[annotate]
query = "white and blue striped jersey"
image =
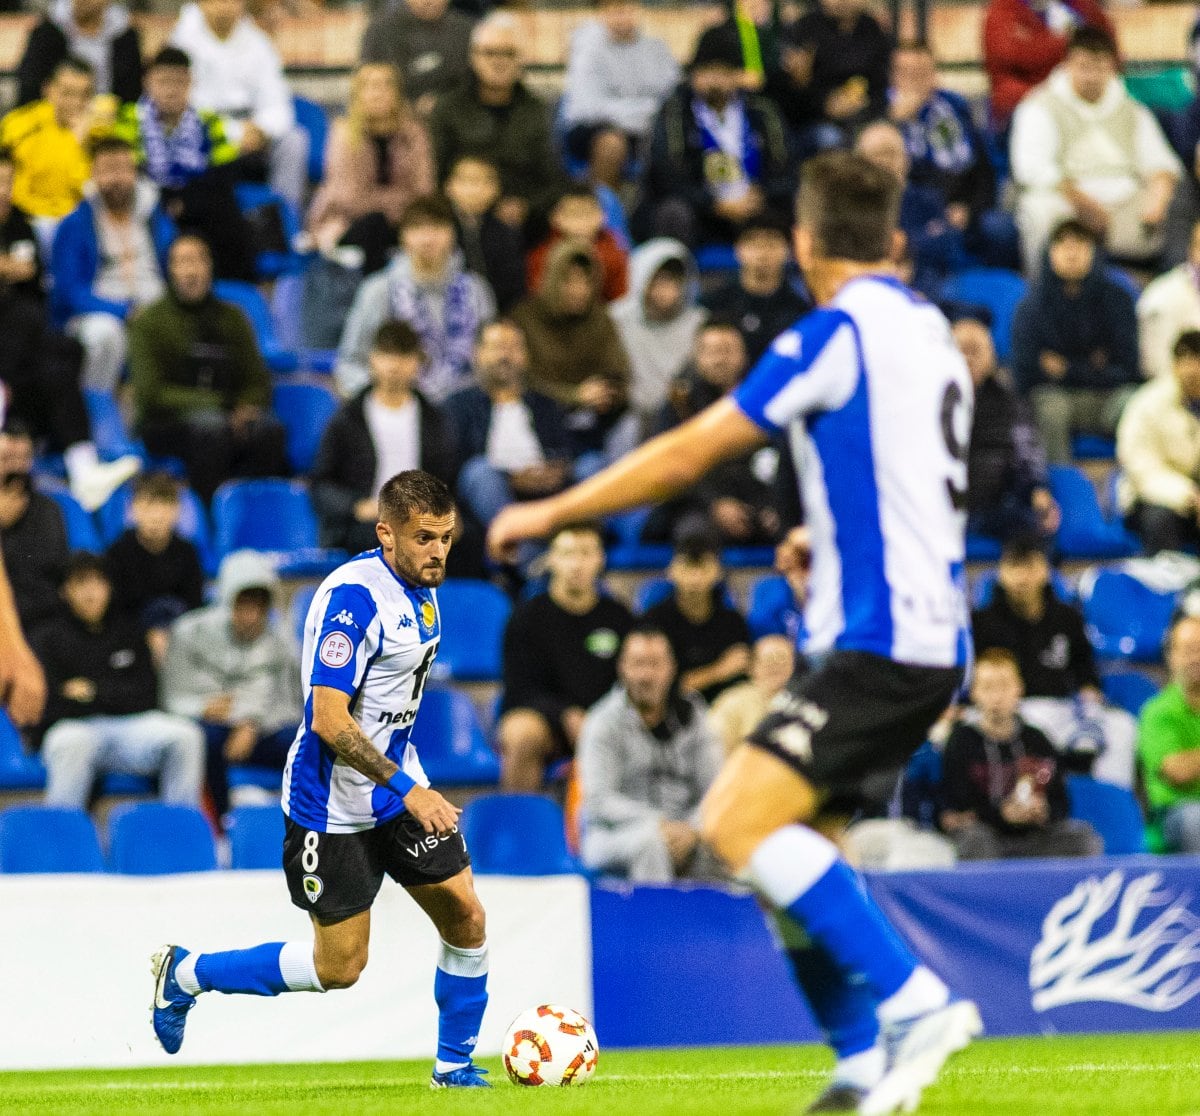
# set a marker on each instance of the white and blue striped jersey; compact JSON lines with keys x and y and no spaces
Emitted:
{"x":373,"y":636}
{"x":877,"y":402}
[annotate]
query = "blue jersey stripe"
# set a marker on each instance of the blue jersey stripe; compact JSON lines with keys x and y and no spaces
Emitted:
{"x":312,"y":769}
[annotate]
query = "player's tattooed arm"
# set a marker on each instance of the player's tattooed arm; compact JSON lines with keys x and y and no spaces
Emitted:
{"x":333,"y":724}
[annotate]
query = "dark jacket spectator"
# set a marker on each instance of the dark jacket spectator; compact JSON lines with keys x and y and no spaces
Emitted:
{"x":428,"y":44}
{"x":1023,"y":40}
{"x":15,"y":230}
{"x":490,"y":247}
{"x":143,"y":578}
{"x":34,"y":540}
{"x":95,"y":30}
{"x":471,"y":411}
{"x":344,"y":471}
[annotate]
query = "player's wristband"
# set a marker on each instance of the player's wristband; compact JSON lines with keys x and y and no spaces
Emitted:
{"x":400,"y":784}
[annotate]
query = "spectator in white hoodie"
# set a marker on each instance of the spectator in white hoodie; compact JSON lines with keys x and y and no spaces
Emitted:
{"x":1167,"y":308}
{"x":238,"y":74}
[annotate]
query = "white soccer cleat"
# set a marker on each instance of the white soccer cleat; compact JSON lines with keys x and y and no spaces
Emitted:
{"x":917,"y":1050}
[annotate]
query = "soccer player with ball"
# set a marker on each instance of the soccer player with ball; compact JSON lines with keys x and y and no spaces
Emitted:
{"x":357,"y":801}
{"x":877,"y":402}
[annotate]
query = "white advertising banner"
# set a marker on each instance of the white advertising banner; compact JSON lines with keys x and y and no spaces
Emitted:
{"x":75,"y":984}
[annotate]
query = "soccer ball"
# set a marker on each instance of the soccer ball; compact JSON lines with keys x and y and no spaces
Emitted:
{"x":550,"y":1045}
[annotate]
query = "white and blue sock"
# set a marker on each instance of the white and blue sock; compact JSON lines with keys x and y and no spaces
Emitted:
{"x":263,"y":970}
{"x":842,"y":1006}
{"x":801,"y":873}
{"x":460,"y":989}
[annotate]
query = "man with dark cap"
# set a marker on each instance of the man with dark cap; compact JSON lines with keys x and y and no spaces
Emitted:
{"x":718,"y":155}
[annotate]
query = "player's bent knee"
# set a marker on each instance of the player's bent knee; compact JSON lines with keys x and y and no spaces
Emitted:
{"x":340,"y":970}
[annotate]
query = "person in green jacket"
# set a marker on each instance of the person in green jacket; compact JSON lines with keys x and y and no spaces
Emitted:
{"x":201,"y":390}
{"x":1169,"y":743}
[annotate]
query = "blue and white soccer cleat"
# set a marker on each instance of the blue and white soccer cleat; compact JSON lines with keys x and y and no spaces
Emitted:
{"x":171,"y":1003}
{"x":917,"y":1049}
{"x":469,"y":1076}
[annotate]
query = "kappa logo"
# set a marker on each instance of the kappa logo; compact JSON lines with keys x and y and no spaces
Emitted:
{"x":313,"y":886}
{"x":406,"y":622}
{"x":1111,"y":941}
{"x":346,"y":618}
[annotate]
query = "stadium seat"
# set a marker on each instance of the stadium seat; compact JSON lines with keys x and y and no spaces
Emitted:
{"x":250,"y":301}
{"x":81,"y":528}
{"x":998,"y":291}
{"x":255,"y":836}
{"x":48,"y":839}
{"x":305,"y":411}
{"x":1084,"y":532}
{"x":715,"y":257}
{"x":114,"y":518}
{"x":650,"y":592}
{"x":272,"y":265}
{"x":627,"y":551}
{"x":109,"y":432}
{"x":516,"y":835}
{"x":18,"y":770}
{"x":298,"y":610}
{"x":1124,"y":617}
{"x":271,"y":515}
{"x":119,"y":784}
{"x":980,"y":548}
{"x":155,"y":838}
{"x":769,"y":597}
{"x":747,"y":557}
{"x":313,"y":119}
{"x":474,"y":616}
{"x":1093,"y":447}
{"x":451,"y":743}
{"x":985,"y":588}
{"x":1112,"y":811}
{"x":248,"y":775}
{"x":1128,"y":689}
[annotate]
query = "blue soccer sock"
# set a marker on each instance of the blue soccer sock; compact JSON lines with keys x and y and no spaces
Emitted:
{"x":262,"y":970}
{"x":460,"y":989}
{"x":842,"y":1006}
{"x":800,"y":872}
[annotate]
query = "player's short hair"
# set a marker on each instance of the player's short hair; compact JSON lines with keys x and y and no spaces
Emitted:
{"x":170,"y":57}
{"x":428,"y":209}
{"x":998,"y":657}
{"x":81,"y":564}
{"x":414,"y":492}
{"x":1187,"y":344}
{"x":156,"y":486}
{"x":397,"y":338}
{"x":850,"y":204}
{"x":1094,"y":40}
{"x":1075,"y":228}
{"x":109,"y":145}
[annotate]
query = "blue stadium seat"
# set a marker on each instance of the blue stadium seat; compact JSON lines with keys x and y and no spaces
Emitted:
{"x":268,"y":515}
{"x":1093,"y":447}
{"x":248,"y":298}
{"x":247,"y":775}
{"x":1084,"y":532}
{"x":516,"y":835}
{"x":980,"y":548}
{"x":1128,"y":689}
{"x":1112,"y":811}
{"x":48,"y":839}
{"x":81,"y":528}
{"x":298,"y":610}
{"x":255,"y":836}
{"x":109,"y":432}
{"x":474,"y":616}
{"x":451,"y":743}
{"x":996,"y":289}
{"x":312,"y":118}
{"x":770,"y":596}
{"x":628,"y":552}
{"x":119,"y":784}
{"x":305,"y":411}
{"x":155,"y":838}
{"x":650,"y":592}
{"x":747,"y":557}
{"x":18,"y":771}
{"x":985,"y":588}
{"x":715,"y":257}
{"x":1125,"y":618}
{"x":114,"y":518}
{"x":273,"y":265}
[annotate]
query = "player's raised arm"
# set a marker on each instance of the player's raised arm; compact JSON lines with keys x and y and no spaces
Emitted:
{"x":654,"y":472}
{"x":333,"y":723}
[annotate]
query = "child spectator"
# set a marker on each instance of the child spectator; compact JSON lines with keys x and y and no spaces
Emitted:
{"x":740,"y":709}
{"x":156,"y":575}
{"x":1005,"y":795}
{"x":577,"y":215}
{"x":490,"y":247}
{"x":711,"y":640}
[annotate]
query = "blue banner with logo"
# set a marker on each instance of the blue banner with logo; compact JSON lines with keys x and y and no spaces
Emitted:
{"x":1110,"y":944}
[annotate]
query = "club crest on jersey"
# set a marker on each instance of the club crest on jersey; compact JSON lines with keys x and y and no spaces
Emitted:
{"x":336,"y":650}
{"x":313,"y":886}
{"x":428,"y":616}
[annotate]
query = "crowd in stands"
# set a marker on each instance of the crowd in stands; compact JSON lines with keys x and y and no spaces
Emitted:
{"x":514,"y":295}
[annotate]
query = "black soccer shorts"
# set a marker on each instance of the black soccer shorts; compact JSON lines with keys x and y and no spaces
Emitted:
{"x":855,"y":717}
{"x":337,"y":875}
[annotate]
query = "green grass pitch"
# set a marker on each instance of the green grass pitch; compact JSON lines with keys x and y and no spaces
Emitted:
{"x":1138,"y":1075}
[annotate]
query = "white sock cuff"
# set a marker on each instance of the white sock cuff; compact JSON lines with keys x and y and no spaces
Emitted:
{"x":789,"y":862}
{"x":298,"y":967}
{"x":463,"y":962}
{"x":185,"y":975}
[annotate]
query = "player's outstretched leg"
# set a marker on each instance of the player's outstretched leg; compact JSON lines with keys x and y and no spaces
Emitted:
{"x":845,"y":1011}
{"x":263,"y":970}
{"x":460,"y":983}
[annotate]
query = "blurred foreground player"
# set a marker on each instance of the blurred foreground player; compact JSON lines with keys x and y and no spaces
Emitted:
{"x":877,"y":400}
{"x":358,"y":804}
